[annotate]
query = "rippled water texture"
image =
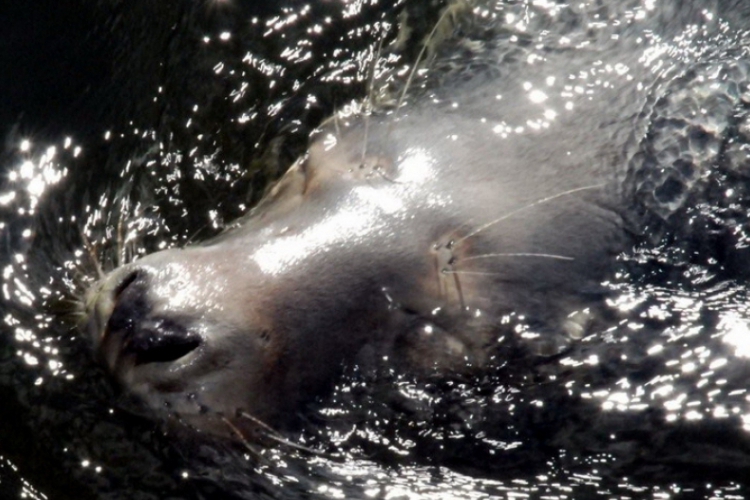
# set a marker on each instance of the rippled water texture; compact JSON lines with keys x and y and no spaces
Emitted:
{"x":201,"y":104}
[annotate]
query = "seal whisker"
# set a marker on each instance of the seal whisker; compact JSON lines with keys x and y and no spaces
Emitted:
{"x":336,"y":125}
{"x":413,"y":71}
{"x":120,"y":253}
{"x":130,"y":249}
{"x":79,"y":276}
{"x":191,"y":238}
{"x":296,"y":446}
{"x":92,"y":254}
{"x":69,"y":300}
{"x":526,"y":207}
{"x":518,"y":254}
{"x":382,"y":175}
{"x":238,"y":433}
{"x":459,"y":290}
{"x":482,"y":273}
{"x":270,"y":430}
{"x":368,"y":100}
{"x":272,"y":434}
{"x":256,"y":420}
{"x":77,"y":318}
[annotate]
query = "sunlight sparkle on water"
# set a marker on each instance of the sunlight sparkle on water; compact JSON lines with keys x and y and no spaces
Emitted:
{"x":35,"y":177}
{"x":737,"y":333}
{"x":537,"y":96}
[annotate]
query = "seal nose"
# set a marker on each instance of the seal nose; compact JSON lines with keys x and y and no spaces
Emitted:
{"x":143,"y":337}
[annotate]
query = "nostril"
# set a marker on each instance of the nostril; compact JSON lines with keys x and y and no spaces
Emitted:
{"x":125,"y":283}
{"x":130,"y":304}
{"x":160,"y":341}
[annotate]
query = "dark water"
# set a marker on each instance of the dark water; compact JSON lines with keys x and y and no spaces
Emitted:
{"x":170,"y":118}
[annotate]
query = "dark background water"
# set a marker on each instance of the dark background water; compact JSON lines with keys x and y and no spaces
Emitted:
{"x":180,"y":130}
{"x":51,"y":62}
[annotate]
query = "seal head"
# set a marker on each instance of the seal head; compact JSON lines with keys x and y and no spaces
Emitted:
{"x":388,"y":239}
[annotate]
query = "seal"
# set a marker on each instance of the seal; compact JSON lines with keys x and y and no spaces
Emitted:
{"x":411,"y":234}
{"x":414,"y":249}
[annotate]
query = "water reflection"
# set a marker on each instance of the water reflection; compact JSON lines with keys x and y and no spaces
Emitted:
{"x":668,"y":353}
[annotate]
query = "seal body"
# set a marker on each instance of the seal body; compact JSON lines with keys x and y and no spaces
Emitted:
{"x":412,"y":235}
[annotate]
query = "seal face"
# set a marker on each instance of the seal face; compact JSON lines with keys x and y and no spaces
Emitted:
{"x":388,"y":238}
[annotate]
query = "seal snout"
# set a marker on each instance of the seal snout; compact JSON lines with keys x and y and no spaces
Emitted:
{"x":130,"y":334}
